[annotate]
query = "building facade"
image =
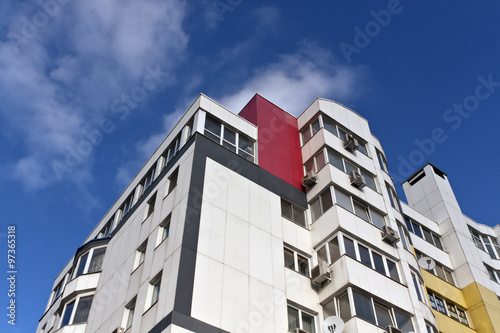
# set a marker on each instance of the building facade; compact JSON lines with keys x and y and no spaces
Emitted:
{"x":264,"y":222}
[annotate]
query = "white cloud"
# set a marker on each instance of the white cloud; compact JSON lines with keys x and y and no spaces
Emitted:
{"x":66,"y":73}
{"x":296,"y":79}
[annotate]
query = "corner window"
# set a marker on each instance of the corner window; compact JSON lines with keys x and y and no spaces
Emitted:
{"x":77,"y":311}
{"x":293,"y":213}
{"x":329,"y":252}
{"x":359,"y":209}
{"x":346,"y":166}
{"x":300,"y":319}
{"x":91,"y":261}
{"x":424,"y":233}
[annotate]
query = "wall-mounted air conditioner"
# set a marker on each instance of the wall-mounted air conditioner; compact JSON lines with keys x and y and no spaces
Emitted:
{"x":310,"y":179}
{"x":350,"y":142}
{"x":390,"y":235}
{"x":357,"y":179}
{"x":320,"y":273}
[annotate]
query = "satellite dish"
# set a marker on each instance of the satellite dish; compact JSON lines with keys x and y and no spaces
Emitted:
{"x":427,"y":263}
{"x":333,"y":324}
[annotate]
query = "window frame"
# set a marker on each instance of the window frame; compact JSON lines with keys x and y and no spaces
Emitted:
{"x":153,"y":292}
{"x":88,"y":260}
{"x":150,"y":207}
{"x":300,"y":313}
{"x":128,"y":313}
{"x":296,"y":263}
{"x":172,"y":181}
{"x":140,"y":255}
{"x":75,"y":302}
{"x":163,"y":230}
{"x":292,"y":210}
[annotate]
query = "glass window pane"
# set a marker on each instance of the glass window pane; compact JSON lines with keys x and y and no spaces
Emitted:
{"x":383,"y":315}
{"x":213,"y":126}
{"x":289,"y":259}
{"x":343,"y":200}
{"x":369,"y":180}
{"x":417,"y":286}
{"x":363,"y":306}
{"x":245,"y":144}
{"x":326,"y":200}
{"x":81,"y":265}
{"x":462,"y":316}
{"x":229,"y":135}
{"x":156,"y":293}
{"x":306,"y":134}
{"x":83,"y":309}
{"x":315,"y":126}
{"x":303,"y":265}
{"x":97,"y":259}
{"x":439,"y":271}
{"x":362,"y":148}
{"x":402,"y":236}
{"x":322,"y":255}
{"x":298,"y":216}
{"x":349,"y":248}
{"x":335,"y":160}
{"x":320,"y":160}
{"x":349,"y":167}
{"x":315,"y":209}
{"x":452,"y":311}
{"x":342,"y":134}
{"x":344,"y":308}
{"x":286,"y":209}
{"x":309,"y":166}
{"x":308,"y":323}
{"x":403,"y":321}
{"x":330,"y":126}
{"x":364,"y":255}
{"x":449,"y":276}
{"x":377,"y":219}
{"x":360,"y":210}
{"x":381,"y":160}
{"x":329,"y":309}
{"x":379,"y":263}
{"x":416,"y":230}
{"x":293,"y":319}
{"x":427,"y":235}
{"x":67,"y":314}
{"x":393,"y":271}
{"x":409,"y":225}
{"x":334,"y":248}
{"x":437,"y":241}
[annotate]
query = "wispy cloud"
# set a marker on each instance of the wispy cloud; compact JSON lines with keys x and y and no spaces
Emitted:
{"x":62,"y":79}
{"x":295,"y":79}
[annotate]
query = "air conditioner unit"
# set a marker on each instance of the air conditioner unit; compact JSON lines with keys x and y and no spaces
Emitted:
{"x":357,"y":179}
{"x":390,"y":235}
{"x":298,"y":330}
{"x":119,"y":330}
{"x":350,"y":142}
{"x":309,"y":180}
{"x":392,"y":329}
{"x":320,"y":273}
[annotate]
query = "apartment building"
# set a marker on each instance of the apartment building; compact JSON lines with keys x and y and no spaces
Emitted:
{"x":264,"y":222}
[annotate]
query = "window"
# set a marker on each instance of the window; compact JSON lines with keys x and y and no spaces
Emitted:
{"x":321,"y":204}
{"x":148,"y":179}
{"x":153,"y":291}
{"x":363,"y":306}
{"x":383,"y":315}
{"x":151,"y":206}
{"x":296,"y":261}
{"x":382,"y":161}
{"x":418,"y":285}
{"x":128,"y":314}
{"x":91,"y":261}
{"x":127,"y":205}
{"x":105,"y":231}
{"x":494,"y":275}
{"x":486,"y":243}
{"x":448,"y":308}
{"x":370,"y":258}
{"x":476,"y":236}
{"x":293,"y":213}
{"x":339,"y":132}
{"x":300,"y":319}
{"x":392,"y":196}
{"x":140,"y":254}
{"x":229,"y":138}
{"x":359,"y":209}
{"x":172,"y":181}
{"x":403,"y":236}
{"x":330,"y":252}
{"x":403,"y":321}
{"x":344,"y":307}
{"x":77,"y":311}
{"x":163,"y":230}
{"x":424,"y":233}
{"x":342,"y":164}
{"x":439,"y":271}
{"x":57,"y":291}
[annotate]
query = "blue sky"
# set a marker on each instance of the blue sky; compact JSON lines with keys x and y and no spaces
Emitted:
{"x":68,"y":71}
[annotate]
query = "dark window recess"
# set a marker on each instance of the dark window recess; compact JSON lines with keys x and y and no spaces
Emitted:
{"x":417,"y":178}
{"x":438,"y":172}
